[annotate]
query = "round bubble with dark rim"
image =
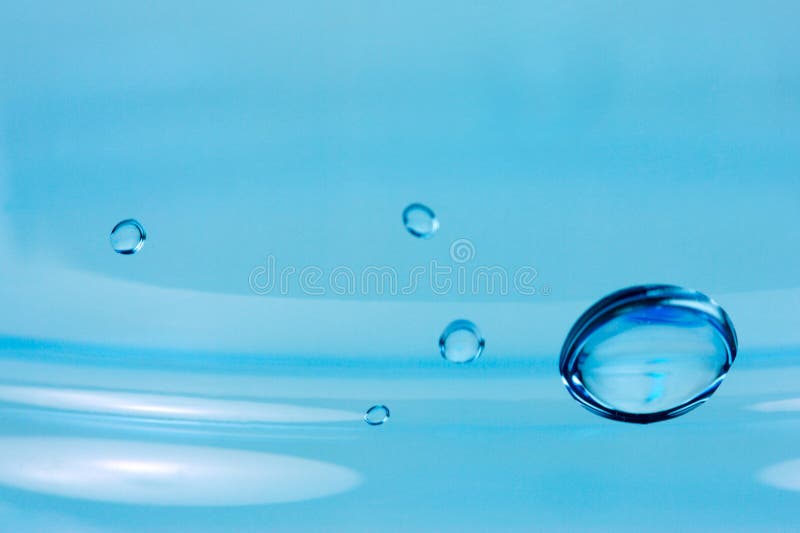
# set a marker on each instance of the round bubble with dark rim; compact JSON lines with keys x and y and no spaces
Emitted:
{"x":376,"y":415}
{"x":420,"y":221}
{"x":128,"y":237}
{"x":648,"y":353}
{"x":461,"y":342}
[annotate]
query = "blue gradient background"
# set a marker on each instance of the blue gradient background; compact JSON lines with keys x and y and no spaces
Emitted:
{"x":604,"y":143}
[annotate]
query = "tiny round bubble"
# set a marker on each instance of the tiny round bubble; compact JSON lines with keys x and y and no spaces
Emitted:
{"x":376,"y":415}
{"x":128,"y":237}
{"x":461,"y":342}
{"x":420,"y":221}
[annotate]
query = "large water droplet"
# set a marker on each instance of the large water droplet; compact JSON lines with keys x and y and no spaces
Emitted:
{"x":376,"y":415}
{"x":648,"y":353}
{"x":461,"y":342}
{"x":128,"y":237}
{"x":420,"y":221}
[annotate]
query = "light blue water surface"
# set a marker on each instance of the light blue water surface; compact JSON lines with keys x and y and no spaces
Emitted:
{"x":602,"y":144}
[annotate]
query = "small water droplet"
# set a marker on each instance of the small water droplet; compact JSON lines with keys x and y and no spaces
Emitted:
{"x":461,"y":342}
{"x":376,"y":415}
{"x":128,"y":237}
{"x":420,"y":221}
{"x":648,"y":353}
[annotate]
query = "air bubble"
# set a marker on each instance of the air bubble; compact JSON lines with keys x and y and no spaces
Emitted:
{"x":420,"y":221}
{"x":461,"y":342}
{"x":128,"y":237}
{"x":376,"y":415}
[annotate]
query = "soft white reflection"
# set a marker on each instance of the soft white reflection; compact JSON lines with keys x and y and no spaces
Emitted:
{"x":164,"y":474}
{"x":778,"y":406}
{"x":140,"y":467}
{"x":785,"y":475}
{"x":169,"y":407}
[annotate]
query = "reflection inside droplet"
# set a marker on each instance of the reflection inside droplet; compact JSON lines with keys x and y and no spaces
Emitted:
{"x":128,"y":237}
{"x":648,"y":353}
{"x":461,"y":342}
{"x":420,"y":221}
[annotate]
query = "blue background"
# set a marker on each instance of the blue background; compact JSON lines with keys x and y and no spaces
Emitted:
{"x":604,"y":143}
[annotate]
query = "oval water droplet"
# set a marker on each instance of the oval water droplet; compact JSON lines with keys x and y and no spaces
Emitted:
{"x":420,"y":221}
{"x":376,"y":415}
{"x":648,"y":353}
{"x":461,"y":342}
{"x":128,"y":237}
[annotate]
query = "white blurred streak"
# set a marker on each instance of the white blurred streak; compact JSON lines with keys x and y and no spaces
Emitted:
{"x":160,"y":406}
{"x":170,"y":475}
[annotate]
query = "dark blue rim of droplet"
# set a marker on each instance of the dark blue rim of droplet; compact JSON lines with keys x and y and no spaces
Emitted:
{"x":374,"y":408}
{"x":140,"y":229}
{"x":456,"y":325}
{"x":428,"y":211}
{"x":623,"y":302}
